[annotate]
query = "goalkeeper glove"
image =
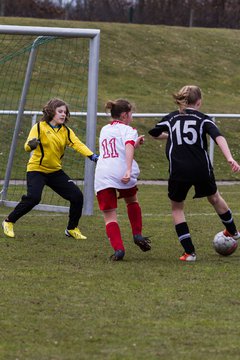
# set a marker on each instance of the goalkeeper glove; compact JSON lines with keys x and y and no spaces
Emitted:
{"x":33,"y":143}
{"x":94,"y":157}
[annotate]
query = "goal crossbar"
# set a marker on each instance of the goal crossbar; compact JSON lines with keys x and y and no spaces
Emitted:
{"x":94,"y":44}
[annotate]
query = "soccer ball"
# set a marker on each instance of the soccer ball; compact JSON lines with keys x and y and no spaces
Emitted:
{"x":224,"y":245}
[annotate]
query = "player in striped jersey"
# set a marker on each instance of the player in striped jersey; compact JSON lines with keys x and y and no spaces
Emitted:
{"x":186,"y":132}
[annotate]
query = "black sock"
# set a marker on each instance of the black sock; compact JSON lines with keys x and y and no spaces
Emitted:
{"x":184,"y":237}
{"x":228,"y":222}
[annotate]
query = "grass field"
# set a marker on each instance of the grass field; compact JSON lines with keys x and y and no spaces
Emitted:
{"x":146,"y":64}
{"x":62,"y":299}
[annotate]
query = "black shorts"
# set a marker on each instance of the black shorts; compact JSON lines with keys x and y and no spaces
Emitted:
{"x":178,"y":190}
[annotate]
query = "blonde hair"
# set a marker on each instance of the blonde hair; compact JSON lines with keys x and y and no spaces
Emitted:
{"x":187,"y":95}
{"x":116,"y":107}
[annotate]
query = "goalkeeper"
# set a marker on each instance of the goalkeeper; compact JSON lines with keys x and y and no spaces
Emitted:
{"x":47,"y":140}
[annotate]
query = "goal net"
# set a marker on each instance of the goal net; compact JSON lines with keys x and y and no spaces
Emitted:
{"x":37,"y":64}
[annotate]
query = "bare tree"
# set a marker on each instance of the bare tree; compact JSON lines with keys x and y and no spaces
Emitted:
{"x":204,"y":13}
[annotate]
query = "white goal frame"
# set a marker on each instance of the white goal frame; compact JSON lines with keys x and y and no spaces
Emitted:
{"x":94,"y":43}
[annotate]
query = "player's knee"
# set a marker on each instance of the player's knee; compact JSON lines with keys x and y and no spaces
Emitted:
{"x":33,"y":199}
{"x":214,"y":199}
{"x":76,"y":197}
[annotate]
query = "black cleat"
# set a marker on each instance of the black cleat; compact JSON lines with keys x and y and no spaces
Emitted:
{"x":118,"y":255}
{"x":143,"y":242}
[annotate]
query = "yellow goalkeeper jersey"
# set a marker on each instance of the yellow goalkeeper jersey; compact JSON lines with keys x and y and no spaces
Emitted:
{"x":47,"y":157}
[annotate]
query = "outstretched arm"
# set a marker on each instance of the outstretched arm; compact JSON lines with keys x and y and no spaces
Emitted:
{"x":162,"y":136}
{"x":222,"y":143}
{"x":159,"y":132}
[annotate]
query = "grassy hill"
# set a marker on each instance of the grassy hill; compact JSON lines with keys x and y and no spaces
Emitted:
{"x":62,"y":299}
{"x":146,"y":64}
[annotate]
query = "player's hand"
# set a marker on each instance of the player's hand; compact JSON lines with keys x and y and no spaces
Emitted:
{"x":140,"y":140}
{"x":94,"y":157}
{"x":126,"y":178}
{"x":33,"y":143}
{"x":234,"y":165}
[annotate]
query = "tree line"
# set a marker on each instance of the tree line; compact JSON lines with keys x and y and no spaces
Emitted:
{"x":200,"y":13}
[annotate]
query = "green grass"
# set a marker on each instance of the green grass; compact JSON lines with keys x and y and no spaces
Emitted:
{"x":62,"y":299}
{"x":146,"y":64}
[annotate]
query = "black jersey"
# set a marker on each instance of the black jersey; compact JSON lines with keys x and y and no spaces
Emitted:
{"x":186,"y":147}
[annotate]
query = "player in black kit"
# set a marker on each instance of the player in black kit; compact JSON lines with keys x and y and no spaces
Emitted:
{"x":189,"y":163}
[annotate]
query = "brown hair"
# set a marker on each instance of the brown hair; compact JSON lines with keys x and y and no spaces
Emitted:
{"x":188,"y":95}
{"x":116,"y":107}
{"x":50,"y":108}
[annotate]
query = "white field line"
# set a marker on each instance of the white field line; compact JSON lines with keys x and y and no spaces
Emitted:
{"x":52,"y":214}
{"x":164,"y":182}
{"x":187,"y":215}
{"x":140,"y":182}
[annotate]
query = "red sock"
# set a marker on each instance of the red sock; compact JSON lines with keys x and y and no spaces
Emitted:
{"x":135,"y":217}
{"x":114,"y":236}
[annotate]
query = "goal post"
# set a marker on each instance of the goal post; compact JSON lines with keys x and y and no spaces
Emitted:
{"x":71,"y":65}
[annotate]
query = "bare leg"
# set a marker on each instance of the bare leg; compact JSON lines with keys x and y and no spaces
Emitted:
{"x":178,"y":212}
